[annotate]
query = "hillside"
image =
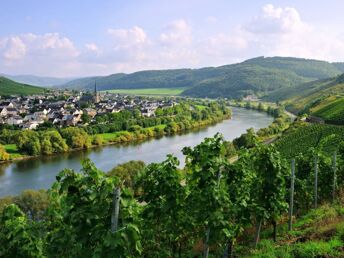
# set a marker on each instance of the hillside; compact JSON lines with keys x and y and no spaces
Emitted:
{"x":9,"y":87}
{"x":38,"y":80}
{"x":322,"y":98}
{"x":258,"y":75}
{"x":319,"y":233}
{"x":300,"y":138}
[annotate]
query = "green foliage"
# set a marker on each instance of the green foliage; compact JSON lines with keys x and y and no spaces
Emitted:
{"x":40,"y":142}
{"x":3,"y":154}
{"x":81,"y":214}
{"x":269,"y":190}
{"x":333,"y":112}
{"x":318,"y":249}
{"x":18,"y":237}
{"x":301,"y":139}
{"x":33,"y":203}
{"x":175,"y":208}
{"x":85,"y":118}
{"x":165,"y":221}
{"x":9,"y":87}
{"x":28,"y":142}
{"x":76,"y":137}
{"x":97,"y":140}
{"x":246,"y":140}
{"x":127,"y":172}
{"x":52,"y":142}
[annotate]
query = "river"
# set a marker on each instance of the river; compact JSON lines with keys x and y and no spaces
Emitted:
{"x":39,"y":173}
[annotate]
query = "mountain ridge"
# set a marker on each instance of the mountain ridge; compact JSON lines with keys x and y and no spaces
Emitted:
{"x":260,"y":76}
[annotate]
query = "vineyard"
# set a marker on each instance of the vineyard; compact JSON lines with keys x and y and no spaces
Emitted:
{"x":332,"y":113}
{"x":210,"y":208}
{"x":302,"y":137}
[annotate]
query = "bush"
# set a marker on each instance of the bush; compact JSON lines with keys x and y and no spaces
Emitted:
{"x":3,"y":154}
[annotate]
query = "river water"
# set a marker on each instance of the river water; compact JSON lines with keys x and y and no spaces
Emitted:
{"x":39,"y":173}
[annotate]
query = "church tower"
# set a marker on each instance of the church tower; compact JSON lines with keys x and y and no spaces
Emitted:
{"x":96,"y":97}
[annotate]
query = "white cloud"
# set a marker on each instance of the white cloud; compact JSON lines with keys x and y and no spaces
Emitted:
{"x":176,"y":33}
{"x":277,"y":20}
{"x":92,"y":47}
{"x":274,"y":31}
{"x":124,"y":38}
{"x":281,"y":31}
{"x":13,"y":48}
{"x":48,"y":54}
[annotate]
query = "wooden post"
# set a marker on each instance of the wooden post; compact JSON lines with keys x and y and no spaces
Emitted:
{"x":334,"y":167}
{"x":315,"y":182}
{"x":115,"y":209}
{"x":291,"y":199}
{"x":258,"y":228}
{"x":206,"y":244}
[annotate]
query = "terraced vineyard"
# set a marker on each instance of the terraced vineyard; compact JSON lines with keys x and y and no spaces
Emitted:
{"x":332,"y":113}
{"x":301,"y":139}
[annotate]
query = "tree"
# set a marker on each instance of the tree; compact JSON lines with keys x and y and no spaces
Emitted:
{"x":85,"y":118}
{"x":97,"y":140}
{"x":76,"y":137}
{"x":28,"y":142}
{"x":3,"y":154}
{"x":127,"y":172}
{"x":33,"y":203}
{"x":246,"y":140}
{"x":52,"y":142}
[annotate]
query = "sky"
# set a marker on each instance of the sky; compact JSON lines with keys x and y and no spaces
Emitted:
{"x":73,"y":38}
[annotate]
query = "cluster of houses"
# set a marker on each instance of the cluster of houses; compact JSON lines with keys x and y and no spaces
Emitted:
{"x":66,"y":109}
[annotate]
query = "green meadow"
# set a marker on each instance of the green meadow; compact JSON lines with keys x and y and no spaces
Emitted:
{"x":150,"y":91}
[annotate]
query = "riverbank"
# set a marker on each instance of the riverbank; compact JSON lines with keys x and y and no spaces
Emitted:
{"x":123,"y":137}
{"x":40,"y":172}
{"x":282,"y":119}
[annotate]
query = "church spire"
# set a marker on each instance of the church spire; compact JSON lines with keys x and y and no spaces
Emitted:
{"x":96,"y":97}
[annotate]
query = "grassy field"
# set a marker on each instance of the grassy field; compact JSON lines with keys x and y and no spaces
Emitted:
{"x":151,"y":91}
{"x":13,"y":151}
{"x":108,"y":137}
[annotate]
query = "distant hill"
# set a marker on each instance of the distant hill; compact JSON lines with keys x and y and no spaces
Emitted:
{"x":259,"y":76}
{"x":9,"y":87}
{"x":38,"y":80}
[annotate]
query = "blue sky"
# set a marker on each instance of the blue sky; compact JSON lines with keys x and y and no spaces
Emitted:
{"x":80,"y":38}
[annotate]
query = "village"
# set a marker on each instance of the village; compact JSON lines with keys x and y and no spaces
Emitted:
{"x":66,"y":108}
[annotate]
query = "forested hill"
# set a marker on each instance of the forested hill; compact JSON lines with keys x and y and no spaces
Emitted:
{"x":258,"y":75}
{"x":9,"y":87}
